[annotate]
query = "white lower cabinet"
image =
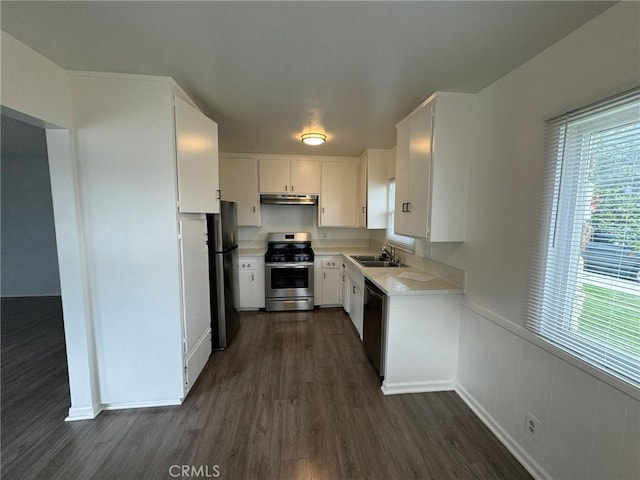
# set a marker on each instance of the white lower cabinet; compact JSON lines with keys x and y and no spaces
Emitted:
{"x":356,"y":297}
{"x":251,"y":282}
{"x":331,"y":284}
{"x":327,"y":288}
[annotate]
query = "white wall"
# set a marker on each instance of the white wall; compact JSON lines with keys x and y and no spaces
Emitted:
{"x":29,"y":257}
{"x":589,"y":429}
{"x":296,"y":218}
{"x":32,"y":85}
{"x":36,"y":90}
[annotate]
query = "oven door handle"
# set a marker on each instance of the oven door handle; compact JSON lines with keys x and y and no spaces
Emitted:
{"x":289,"y":264}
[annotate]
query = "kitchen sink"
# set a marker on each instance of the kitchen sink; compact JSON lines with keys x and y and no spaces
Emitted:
{"x":367,"y":258}
{"x":379,"y":263}
{"x":373,"y":261}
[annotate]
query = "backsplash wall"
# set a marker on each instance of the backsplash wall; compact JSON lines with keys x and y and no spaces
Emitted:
{"x":299,"y":218}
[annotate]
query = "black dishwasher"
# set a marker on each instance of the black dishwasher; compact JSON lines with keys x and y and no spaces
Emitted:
{"x":373,"y":327}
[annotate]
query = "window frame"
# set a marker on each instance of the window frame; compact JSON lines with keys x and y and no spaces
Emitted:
{"x":557,"y":264}
{"x":401,"y":242}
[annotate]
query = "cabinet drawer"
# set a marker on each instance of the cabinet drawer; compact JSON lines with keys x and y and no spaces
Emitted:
{"x":244,"y":264}
{"x":330,"y":263}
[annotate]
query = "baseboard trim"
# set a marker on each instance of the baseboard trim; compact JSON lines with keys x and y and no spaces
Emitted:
{"x":125,"y":405}
{"x":417,"y":387}
{"x":507,"y":440}
{"x":81,"y":413}
{"x":29,"y":295}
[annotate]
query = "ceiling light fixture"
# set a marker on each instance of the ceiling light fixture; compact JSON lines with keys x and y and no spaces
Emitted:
{"x":313,"y":138}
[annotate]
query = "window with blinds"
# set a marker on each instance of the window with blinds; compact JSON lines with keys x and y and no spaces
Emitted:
{"x":586,"y":287}
{"x":399,"y":241}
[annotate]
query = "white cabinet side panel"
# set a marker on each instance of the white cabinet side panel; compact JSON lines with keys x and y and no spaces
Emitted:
{"x":422,"y":340}
{"x":126,"y":158}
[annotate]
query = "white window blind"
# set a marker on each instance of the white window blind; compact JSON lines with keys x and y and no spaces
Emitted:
{"x":399,"y":241}
{"x":586,"y":292}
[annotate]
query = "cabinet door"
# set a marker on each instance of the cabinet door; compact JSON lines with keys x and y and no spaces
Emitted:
{"x":356,"y":311}
{"x":317,"y":280}
{"x":259,"y":281}
{"x":195,"y":294}
{"x":346,"y":289}
{"x":239,"y":183}
{"x":420,"y":129}
{"x":275,"y":175}
{"x":305,"y":176}
{"x":248,"y":290}
{"x":338,"y":197}
{"x":402,"y":179}
{"x":331,"y":286}
{"x":362,"y":191}
{"x":197,"y":160}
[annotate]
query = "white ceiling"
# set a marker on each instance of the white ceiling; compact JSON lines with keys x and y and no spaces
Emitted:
{"x":267,"y":71}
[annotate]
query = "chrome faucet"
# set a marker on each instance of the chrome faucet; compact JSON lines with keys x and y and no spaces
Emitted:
{"x":390,"y":252}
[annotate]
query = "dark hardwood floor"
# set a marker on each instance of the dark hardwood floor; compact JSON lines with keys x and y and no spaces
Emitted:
{"x":294,"y":397}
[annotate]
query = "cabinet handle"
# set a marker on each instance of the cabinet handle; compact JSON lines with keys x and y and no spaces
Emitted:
{"x":286,"y":187}
{"x":354,"y":289}
{"x":322,"y":209}
{"x":408,"y":207}
{"x":253,"y":278}
{"x":254,"y":209}
{"x":218,"y":194}
{"x":403,"y":207}
{"x":324,"y":274}
{"x":362,"y":209}
{"x":292,"y":188}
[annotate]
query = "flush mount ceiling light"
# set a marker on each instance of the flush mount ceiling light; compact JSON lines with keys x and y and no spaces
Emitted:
{"x":313,"y":138}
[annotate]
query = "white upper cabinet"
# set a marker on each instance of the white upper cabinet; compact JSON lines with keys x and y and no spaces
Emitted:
{"x":372,"y":191}
{"x":279,"y":175}
{"x":197,"y":160}
{"x":402,"y":178}
{"x":338,"y":199}
{"x":239,"y":183}
{"x":432,"y":168}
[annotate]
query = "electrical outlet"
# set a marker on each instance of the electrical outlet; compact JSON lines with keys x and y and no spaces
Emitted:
{"x":532,"y":426}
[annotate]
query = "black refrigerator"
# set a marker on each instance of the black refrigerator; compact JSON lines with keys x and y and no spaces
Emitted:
{"x":222,"y":231}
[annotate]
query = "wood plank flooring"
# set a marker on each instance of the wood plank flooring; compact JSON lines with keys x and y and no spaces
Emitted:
{"x":294,"y":397}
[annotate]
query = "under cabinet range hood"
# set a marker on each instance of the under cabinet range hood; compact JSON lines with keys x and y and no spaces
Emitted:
{"x":288,"y":199}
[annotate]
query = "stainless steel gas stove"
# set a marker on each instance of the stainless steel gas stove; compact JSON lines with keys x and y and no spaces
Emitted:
{"x":288,"y":272}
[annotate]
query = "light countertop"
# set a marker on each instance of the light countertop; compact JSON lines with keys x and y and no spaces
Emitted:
{"x":391,"y":281}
